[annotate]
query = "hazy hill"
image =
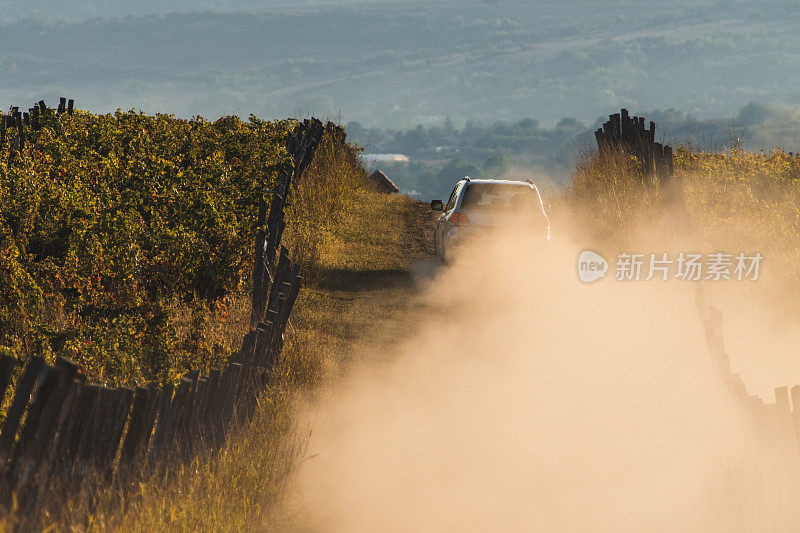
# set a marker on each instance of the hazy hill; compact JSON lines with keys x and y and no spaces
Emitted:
{"x":397,"y":64}
{"x":73,"y":11}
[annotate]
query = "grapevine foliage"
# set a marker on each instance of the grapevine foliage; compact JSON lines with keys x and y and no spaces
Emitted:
{"x":109,"y":224}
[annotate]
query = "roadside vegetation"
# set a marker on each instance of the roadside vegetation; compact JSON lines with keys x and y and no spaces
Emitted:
{"x":127,"y":247}
{"x":737,"y":201}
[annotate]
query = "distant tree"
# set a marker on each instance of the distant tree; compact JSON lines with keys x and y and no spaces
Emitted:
{"x":456,"y":169}
{"x":570,"y":123}
{"x":449,"y":127}
{"x":354,"y":129}
{"x":667,"y":116}
{"x":753,"y":114}
{"x":413,"y":141}
{"x":496,"y":165}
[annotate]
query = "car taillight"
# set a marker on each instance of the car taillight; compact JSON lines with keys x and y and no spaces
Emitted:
{"x":459,"y":219}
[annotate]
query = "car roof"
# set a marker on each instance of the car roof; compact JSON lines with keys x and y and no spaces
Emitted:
{"x":524,"y":183}
{"x":508,"y":182}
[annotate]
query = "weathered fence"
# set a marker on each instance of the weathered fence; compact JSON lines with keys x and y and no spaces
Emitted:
{"x":301,"y":147}
{"x":775,"y":424}
{"x":63,"y":432}
{"x":12,"y":125}
{"x":778,"y":423}
{"x":626,"y":133}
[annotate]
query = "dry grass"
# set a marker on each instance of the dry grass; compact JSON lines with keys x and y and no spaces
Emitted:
{"x":736,"y":202}
{"x":746,"y":202}
{"x":365,"y":271}
{"x":614,"y":202}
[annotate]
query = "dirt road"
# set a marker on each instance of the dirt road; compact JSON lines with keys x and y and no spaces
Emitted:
{"x":500,"y":393}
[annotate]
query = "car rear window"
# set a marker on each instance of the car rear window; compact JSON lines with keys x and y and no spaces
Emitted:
{"x":499,"y":197}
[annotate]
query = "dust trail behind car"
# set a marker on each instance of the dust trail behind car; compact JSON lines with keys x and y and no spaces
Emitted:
{"x":532,"y":401}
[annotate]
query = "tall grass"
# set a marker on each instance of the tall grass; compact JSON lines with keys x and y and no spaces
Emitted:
{"x":328,"y":185}
{"x":614,"y":202}
{"x":736,"y":201}
{"x":746,"y":202}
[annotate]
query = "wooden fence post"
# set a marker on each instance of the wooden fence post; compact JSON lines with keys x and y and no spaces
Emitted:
{"x":259,"y":265}
{"x":117,"y":422}
{"x":784,"y":423}
{"x":53,"y":454}
{"x":20,"y":130}
{"x":218,"y":407}
{"x":183,"y":436}
{"x":85,"y":435}
{"x":17,"y":407}
{"x":77,"y":425}
{"x":195,"y":422}
{"x":138,"y":430}
{"x":229,"y":399}
{"x":159,"y":433}
{"x":206,"y":421}
{"x":50,"y":399}
{"x":623,"y":132}
{"x":174,"y":417}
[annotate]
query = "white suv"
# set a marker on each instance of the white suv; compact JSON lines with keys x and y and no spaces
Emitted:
{"x":475,"y":205}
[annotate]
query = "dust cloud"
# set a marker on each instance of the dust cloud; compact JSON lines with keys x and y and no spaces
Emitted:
{"x":530,"y":401}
